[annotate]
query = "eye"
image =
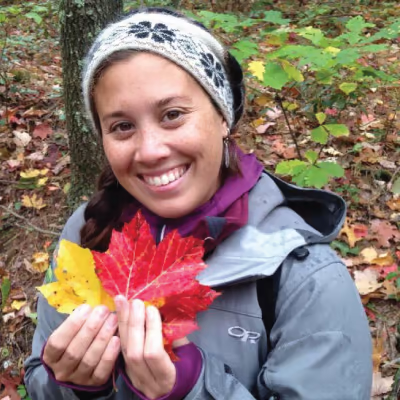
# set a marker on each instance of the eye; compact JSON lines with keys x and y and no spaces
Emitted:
{"x":122,"y":127}
{"x":172,"y":115}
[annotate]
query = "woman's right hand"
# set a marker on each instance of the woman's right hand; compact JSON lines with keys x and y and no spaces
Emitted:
{"x":83,"y":349}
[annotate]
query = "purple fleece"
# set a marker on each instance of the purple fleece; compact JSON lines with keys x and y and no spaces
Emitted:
{"x":230,"y":202}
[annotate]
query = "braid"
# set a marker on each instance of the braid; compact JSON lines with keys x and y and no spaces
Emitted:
{"x":103,"y":211}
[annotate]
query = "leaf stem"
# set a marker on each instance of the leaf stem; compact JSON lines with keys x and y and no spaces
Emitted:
{"x":279,"y":101}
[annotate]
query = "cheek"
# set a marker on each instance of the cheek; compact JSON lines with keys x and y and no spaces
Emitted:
{"x":117,"y":155}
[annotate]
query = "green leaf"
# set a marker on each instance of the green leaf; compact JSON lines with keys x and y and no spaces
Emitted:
{"x":3,"y":18}
{"x":49,"y":275}
{"x":5,"y":291}
{"x":358,"y":24}
{"x":317,"y":177}
{"x":391,"y":276}
{"x":325,"y":76}
{"x":244,"y":49}
{"x":311,"y":156}
{"x":344,"y":248}
{"x":333,"y":169}
{"x":286,"y":167}
{"x":348,"y":87}
{"x":348,"y":56}
{"x":275,"y":17}
{"x":275,"y":76}
{"x":396,"y":186}
{"x":321,"y":117}
{"x":292,"y":71}
{"x":337,"y":129}
{"x":36,"y":17}
{"x":319,"y":135}
{"x":316,"y":36}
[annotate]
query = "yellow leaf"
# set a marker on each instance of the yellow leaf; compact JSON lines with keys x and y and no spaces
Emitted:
{"x":257,"y":122}
{"x":263,"y":100}
{"x":40,"y":261}
{"x":367,"y":281}
{"x":44,"y":171}
{"x":18,"y":304}
{"x":42,"y":181}
{"x":30,"y":173}
{"x":257,"y":69}
{"x":368,"y":254}
{"x":77,"y":282}
{"x":33,"y":202}
{"x":332,"y":50}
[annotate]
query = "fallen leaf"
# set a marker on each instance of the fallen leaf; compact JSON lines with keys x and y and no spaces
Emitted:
{"x":163,"y":275}
{"x":354,"y":232}
{"x":383,"y":232}
{"x":263,"y":100}
{"x":383,"y":259}
{"x":77,"y":282}
{"x":257,"y":69}
{"x":263,"y":128}
{"x":368,"y":254}
{"x":274,"y":113}
{"x":18,"y":304}
{"x":387,"y":164}
{"x":378,"y":347}
{"x":42,"y":131}
{"x":367,"y":281}
{"x":390,"y":289}
{"x":381,"y":386}
{"x":40,"y":261}
{"x":33,"y":202}
{"x":33,"y":173}
{"x":42,"y":181}
{"x":394,"y":204}
{"x":21,"y":139}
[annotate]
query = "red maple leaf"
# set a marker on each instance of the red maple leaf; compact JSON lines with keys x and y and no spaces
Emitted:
{"x":163,"y":275}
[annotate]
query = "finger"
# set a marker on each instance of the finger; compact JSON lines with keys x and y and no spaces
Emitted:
{"x":155,"y":355}
{"x":105,"y":367}
{"x":95,"y":352}
{"x":64,"y":334}
{"x":136,"y":336}
{"x":81,"y":342}
{"x":122,"y":306}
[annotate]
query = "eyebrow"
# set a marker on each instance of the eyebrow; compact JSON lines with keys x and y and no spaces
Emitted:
{"x":158,"y":104}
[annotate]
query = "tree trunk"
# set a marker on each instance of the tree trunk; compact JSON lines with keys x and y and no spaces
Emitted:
{"x":80,"y":21}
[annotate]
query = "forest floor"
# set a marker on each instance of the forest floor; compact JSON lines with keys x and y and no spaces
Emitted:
{"x":35,"y":176}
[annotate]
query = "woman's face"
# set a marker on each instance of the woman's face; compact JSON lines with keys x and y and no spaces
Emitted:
{"x":161,"y":134}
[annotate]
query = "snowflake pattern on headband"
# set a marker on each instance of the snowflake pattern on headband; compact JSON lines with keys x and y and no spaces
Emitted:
{"x":213,"y":69}
{"x":159,"y":33}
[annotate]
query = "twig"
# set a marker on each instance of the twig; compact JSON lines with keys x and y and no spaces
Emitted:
{"x":279,"y":100}
{"x":36,"y":228}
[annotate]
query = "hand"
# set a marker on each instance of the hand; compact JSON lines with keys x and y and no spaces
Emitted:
{"x":147,"y":364}
{"x":83,"y":350}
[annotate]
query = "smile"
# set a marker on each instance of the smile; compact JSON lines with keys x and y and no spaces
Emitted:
{"x":166,"y":178}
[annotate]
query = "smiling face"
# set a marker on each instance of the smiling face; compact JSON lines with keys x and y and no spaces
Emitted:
{"x":161,"y":134}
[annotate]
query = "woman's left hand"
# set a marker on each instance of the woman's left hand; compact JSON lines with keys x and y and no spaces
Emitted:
{"x":147,"y":364}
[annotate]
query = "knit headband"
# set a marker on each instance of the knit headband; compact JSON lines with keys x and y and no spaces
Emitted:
{"x":174,"y":38}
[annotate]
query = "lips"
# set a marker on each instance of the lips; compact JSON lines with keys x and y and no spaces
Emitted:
{"x":165,"y":178}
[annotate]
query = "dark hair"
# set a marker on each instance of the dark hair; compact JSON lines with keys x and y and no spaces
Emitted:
{"x":105,"y":208}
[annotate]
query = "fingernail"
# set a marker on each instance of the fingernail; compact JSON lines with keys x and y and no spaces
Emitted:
{"x":82,"y":310}
{"x":100,"y":311}
{"x":112,"y":321}
{"x":151,"y":312}
{"x":137,"y":305}
{"x":119,"y":302}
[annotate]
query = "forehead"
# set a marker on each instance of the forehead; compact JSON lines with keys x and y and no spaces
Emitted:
{"x":146,"y":74}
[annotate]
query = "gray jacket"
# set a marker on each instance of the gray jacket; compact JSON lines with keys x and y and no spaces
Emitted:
{"x":321,"y":346}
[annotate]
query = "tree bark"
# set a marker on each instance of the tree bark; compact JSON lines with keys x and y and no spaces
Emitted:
{"x":80,"y":21}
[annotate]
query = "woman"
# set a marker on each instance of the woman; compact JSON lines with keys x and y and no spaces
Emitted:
{"x":164,"y":96}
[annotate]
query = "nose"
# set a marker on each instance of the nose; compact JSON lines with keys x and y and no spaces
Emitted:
{"x":151,"y":147}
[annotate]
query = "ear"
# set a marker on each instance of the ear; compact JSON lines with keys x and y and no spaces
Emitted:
{"x":224,"y":129}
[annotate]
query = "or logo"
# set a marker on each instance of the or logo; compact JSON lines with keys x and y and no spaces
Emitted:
{"x":243,"y":334}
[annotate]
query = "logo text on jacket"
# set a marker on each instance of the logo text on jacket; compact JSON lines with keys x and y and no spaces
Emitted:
{"x":243,"y":334}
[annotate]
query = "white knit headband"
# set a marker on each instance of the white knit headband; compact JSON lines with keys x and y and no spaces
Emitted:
{"x":174,"y":38}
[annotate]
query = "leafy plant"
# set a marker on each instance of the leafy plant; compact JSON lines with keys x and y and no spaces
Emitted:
{"x":326,"y":71}
{"x":5,"y":291}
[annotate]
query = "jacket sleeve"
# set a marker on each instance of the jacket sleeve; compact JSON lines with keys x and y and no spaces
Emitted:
{"x":39,"y":385}
{"x":321,"y":343}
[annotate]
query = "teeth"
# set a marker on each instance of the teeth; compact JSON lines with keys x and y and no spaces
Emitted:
{"x":165,"y":179}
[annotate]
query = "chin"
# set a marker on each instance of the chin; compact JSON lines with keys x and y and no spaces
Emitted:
{"x":172,"y":211}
